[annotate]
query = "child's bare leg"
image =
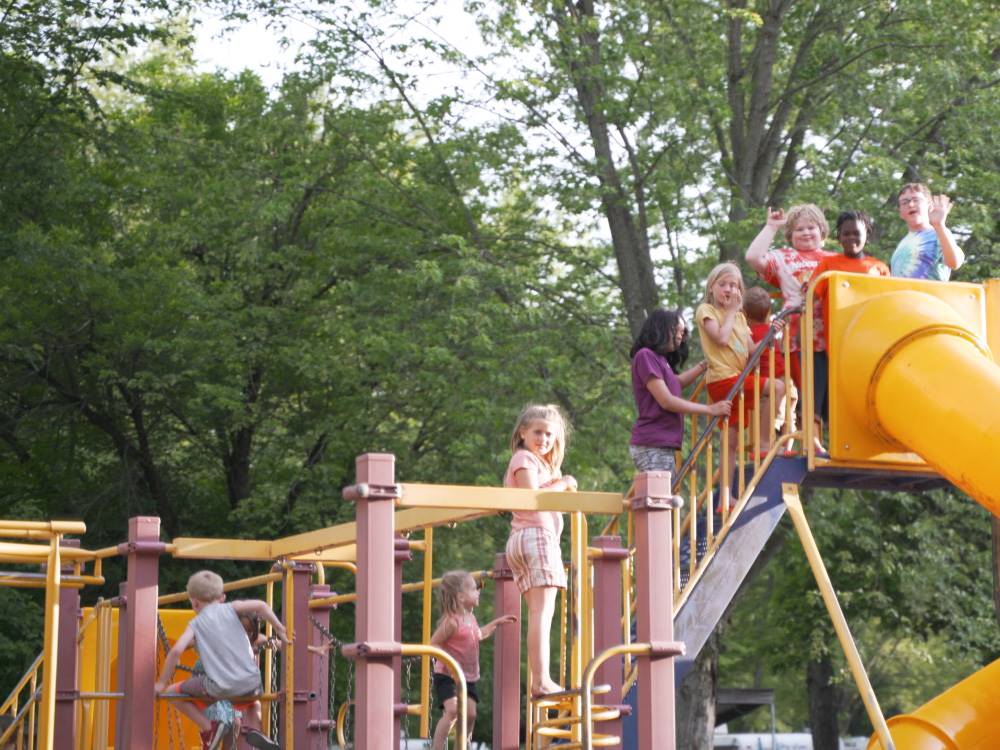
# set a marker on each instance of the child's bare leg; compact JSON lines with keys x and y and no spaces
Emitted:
{"x":818,"y":436}
{"x":252,"y":717}
{"x":191,"y":711}
{"x":541,"y":606}
{"x":470,"y":720}
{"x":444,"y":725}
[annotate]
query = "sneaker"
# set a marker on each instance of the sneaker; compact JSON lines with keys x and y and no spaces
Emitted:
{"x":260,"y":740}
{"x":212,"y":737}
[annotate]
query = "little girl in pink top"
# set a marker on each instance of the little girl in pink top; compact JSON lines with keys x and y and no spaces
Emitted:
{"x":459,"y":634}
{"x":538,"y":444}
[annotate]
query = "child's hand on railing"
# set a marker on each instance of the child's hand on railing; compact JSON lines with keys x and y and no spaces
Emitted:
{"x":720,"y":408}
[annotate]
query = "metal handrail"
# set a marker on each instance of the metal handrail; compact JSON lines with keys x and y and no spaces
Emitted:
{"x":634,"y":649}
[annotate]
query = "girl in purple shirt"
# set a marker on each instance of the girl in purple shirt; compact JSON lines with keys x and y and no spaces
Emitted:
{"x":659,"y":350}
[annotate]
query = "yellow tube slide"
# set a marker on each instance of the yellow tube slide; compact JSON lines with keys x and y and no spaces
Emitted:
{"x":964,"y":717}
{"x":919,"y":378}
{"x":922,"y":380}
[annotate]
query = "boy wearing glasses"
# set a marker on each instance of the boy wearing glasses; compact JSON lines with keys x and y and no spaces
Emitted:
{"x":929,"y":250}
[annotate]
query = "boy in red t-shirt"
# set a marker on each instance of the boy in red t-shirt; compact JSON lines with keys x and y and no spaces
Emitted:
{"x":757,"y":308}
{"x":789,"y":267}
{"x":852,"y":232}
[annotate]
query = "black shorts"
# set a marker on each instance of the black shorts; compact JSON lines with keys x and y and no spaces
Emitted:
{"x":444,"y":688}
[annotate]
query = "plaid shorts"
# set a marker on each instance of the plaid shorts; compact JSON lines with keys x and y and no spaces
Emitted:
{"x":651,"y":458}
{"x":535,"y":559}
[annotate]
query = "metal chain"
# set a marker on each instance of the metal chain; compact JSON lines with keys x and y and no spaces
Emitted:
{"x":408,"y":662}
{"x":324,"y":631}
{"x":349,"y":697}
{"x":274,"y":706}
{"x":168,"y":716}
{"x":162,"y":633}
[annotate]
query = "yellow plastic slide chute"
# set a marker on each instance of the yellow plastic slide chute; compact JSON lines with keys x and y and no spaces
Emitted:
{"x":964,"y":717}
{"x":918,"y":377}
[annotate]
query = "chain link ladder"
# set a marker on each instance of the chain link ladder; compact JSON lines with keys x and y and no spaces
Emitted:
{"x":336,"y":643}
{"x":408,"y":670}
{"x":348,"y":735}
{"x":171,"y":714}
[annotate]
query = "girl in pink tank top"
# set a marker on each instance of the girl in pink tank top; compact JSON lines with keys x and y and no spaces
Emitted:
{"x":459,"y":634}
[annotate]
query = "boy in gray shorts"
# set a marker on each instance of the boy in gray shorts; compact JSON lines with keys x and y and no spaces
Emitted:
{"x":231,"y":670}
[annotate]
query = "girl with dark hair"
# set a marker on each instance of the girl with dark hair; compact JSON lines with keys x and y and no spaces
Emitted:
{"x":854,"y":228}
{"x":658,"y":353}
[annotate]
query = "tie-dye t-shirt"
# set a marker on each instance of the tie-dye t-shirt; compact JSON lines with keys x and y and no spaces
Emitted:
{"x":918,"y":256}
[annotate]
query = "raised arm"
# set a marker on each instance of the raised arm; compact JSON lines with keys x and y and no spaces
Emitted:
{"x":261,"y":610}
{"x":762,"y":242}
{"x":953,"y":255}
{"x":173,"y":657}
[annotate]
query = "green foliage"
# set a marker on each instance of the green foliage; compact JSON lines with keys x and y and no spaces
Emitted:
{"x":909,"y":577}
{"x":216,"y":294}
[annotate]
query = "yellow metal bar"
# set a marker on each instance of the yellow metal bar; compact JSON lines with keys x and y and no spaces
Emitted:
{"x":790,"y":494}
{"x":268,"y":654}
{"x":563,"y":636}
{"x":51,"y":646}
{"x":242,"y":583}
{"x":38,"y":553}
{"x":807,"y":398}
{"x":301,"y":546}
{"x":419,"y":649}
{"x":500,"y":499}
{"x":37,"y":580}
{"x":577,"y":569}
{"x":342,"y":565}
{"x":333,"y":557}
{"x":406,"y":588}
{"x":10,"y":704}
{"x":99,"y":717}
{"x":425,"y":635}
{"x":54,"y":528}
{"x":32,"y":711}
{"x":758,"y":417}
{"x":586,"y":691}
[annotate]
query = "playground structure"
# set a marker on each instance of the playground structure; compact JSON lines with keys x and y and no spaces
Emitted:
{"x":638,"y":610}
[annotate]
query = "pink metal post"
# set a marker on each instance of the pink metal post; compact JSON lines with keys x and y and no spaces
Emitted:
{"x":66,"y":666}
{"x":651,"y":508}
{"x":506,"y":659}
{"x":136,"y":710}
{"x":375,"y":610}
{"x":302,"y":574}
{"x":402,"y":556}
{"x":608,"y":623}
{"x":320,"y":722}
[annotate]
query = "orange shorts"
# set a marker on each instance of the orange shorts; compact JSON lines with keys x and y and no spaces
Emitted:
{"x":718,"y":391}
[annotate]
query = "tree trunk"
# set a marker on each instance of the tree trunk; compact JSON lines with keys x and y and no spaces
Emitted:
{"x":696,"y":700}
{"x":823,"y":704}
{"x":635,"y":265}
